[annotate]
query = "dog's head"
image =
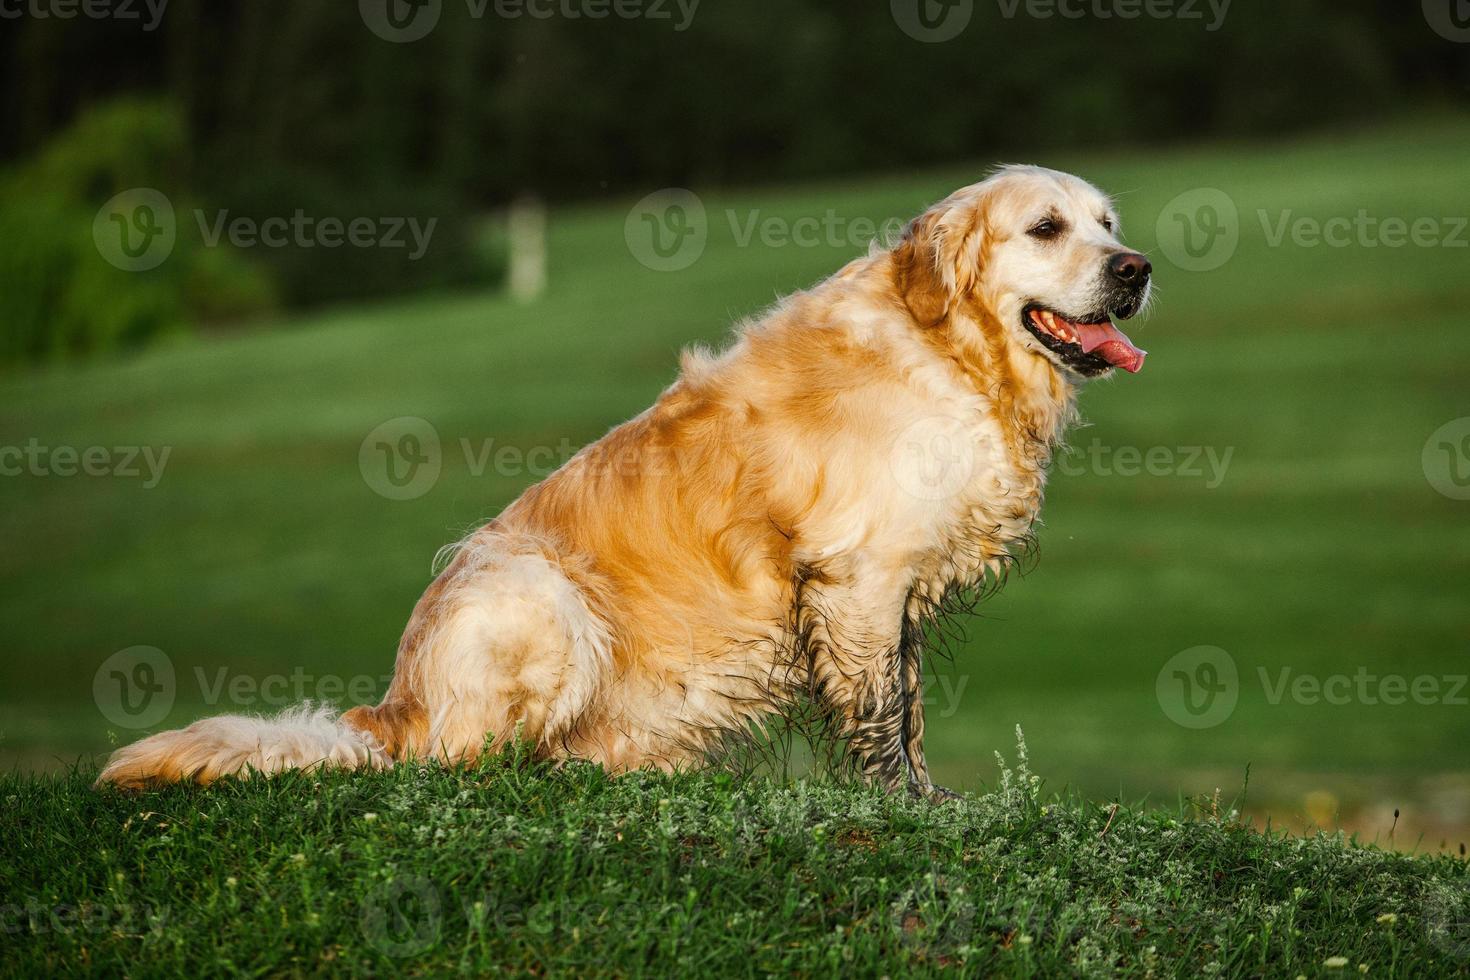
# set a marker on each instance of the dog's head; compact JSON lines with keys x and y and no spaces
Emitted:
{"x":1034,"y":254}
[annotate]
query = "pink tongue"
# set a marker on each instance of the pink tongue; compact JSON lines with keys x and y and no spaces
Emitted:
{"x":1111,"y":344}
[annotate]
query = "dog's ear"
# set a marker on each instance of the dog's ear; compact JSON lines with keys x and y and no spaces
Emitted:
{"x":917,"y":271}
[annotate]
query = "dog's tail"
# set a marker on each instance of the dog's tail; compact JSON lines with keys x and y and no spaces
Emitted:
{"x":304,"y":737}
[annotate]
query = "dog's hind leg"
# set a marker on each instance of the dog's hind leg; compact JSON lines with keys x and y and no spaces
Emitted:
{"x":506,"y":643}
{"x":503,"y":641}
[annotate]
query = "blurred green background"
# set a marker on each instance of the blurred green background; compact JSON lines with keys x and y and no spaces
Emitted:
{"x":1310,"y":375}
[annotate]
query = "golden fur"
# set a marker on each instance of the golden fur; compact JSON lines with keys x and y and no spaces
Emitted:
{"x":763,"y":535}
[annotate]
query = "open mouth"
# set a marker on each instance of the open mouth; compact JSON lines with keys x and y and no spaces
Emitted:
{"x":1089,"y":345}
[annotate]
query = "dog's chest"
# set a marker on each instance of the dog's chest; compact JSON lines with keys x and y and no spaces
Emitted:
{"x":990,"y":518}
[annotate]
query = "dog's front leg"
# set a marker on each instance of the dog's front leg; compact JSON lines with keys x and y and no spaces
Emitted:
{"x":911,"y":654}
{"x":867,"y":666}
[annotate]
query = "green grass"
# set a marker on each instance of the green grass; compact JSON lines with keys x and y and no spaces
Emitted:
{"x":1324,"y":549}
{"x":510,"y":867}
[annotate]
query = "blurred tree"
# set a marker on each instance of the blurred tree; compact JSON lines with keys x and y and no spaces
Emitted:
{"x":292,"y":105}
{"x":486,"y":107}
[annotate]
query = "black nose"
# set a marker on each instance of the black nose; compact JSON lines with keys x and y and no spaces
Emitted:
{"x":1130,"y":268}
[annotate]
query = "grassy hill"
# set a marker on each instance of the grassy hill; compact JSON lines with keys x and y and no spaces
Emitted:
{"x":265,"y":567}
{"x":513,"y":868}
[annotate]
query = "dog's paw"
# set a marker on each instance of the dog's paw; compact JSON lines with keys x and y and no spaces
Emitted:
{"x":933,"y":793}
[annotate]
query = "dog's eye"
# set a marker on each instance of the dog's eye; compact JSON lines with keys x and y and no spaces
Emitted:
{"x":1044,"y":229}
{"x":1107,"y":223}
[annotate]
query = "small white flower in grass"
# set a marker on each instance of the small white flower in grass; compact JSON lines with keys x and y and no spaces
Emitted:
{"x":1335,"y":962}
{"x":1388,"y":918}
{"x":369,"y":817}
{"x":231,"y":882}
{"x":298,"y":858}
{"x":1362,"y":967}
{"x":1025,"y":940}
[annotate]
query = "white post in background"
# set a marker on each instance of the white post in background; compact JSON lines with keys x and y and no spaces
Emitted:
{"x":526,"y":228}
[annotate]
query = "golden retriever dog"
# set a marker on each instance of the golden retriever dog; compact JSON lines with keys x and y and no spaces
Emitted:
{"x":774,"y":532}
